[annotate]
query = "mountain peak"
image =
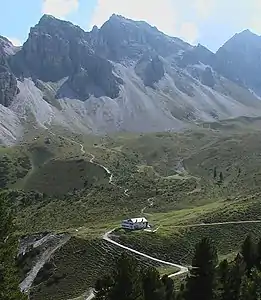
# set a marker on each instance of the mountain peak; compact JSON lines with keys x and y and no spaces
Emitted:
{"x":119,"y":18}
{"x":95,"y":28}
{"x":247,"y":32}
{"x":239,"y":60}
{"x":246,"y":36}
{"x":245,"y":39}
{"x":126,"y":59}
{"x":47,"y":18}
{"x":115,"y":16}
{"x":127,"y":39}
{"x":52,"y":26}
{"x":4,"y":39}
{"x":51,"y":22}
{"x":6,"y":46}
{"x":136,"y":23}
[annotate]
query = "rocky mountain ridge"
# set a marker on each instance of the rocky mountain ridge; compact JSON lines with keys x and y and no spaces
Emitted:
{"x":125,"y":76}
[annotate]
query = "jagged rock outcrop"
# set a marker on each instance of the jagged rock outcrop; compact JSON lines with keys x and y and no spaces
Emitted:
{"x":239,"y":60}
{"x":85,"y":83}
{"x":57,"y":49}
{"x":124,"y":39}
{"x":124,"y":76}
{"x":150,"y":69}
{"x":50,"y":50}
{"x":8,"y":86}
{"x":6,"y":47}
{"x":204,"y":74}
{"x":8,"y":82}
{"x":207,"y":77}
{"x":196,"y":55}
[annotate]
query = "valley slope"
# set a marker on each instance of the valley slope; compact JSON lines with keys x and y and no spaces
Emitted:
{"x":174,"y":179}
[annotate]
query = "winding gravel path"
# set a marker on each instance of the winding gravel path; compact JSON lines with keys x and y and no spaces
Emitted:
{"x":181,"y":271}
{"x":106,"y":236}
{"x":218,"y":223}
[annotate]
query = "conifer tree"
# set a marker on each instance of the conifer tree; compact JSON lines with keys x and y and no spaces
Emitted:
{"x":251,"y":286}
{"x":258,"y":255}
{"x":221,"y":177}
{"x":223,"y":270}
{"x":127,"y":280}
{"x":247,"y":291}
{"x":169,"y":288}
{"x":215,"y":173}
{"x":201,"y":281}
{"x":222,"y":275}
{"x":103,"y":288}
{"x":256,"y":277}
{"x":248,"y":251}
{"x":152,"y":285}
{"x":124,"y":283}
{"x":231,"y":287}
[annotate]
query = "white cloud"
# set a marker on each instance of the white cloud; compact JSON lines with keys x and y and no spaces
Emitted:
{"x":189,"y":32}
{"x":192,"y":20}
{"x":204,"y":8}
{"x":15,"y":41}
{"x":157,"y":13}
{"x":59,"y":8}
{"x":255,"y":25}
{"x":164,"y":14}
{"x":253,"y":20}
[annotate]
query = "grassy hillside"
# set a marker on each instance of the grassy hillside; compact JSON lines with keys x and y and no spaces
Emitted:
{"x":180,"y":174}
{"x":180,"y":230}
{"x":48,"y":164}
{"x":237,"y":157}
{"x":176,"y":170}
{"x":58,"y":177}
{"x":178,"y":245}
{"x":75,"y":268}
{"x":14,"y":164}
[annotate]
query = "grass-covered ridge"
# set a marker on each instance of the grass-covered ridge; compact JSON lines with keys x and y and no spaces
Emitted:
{"x":76,"y":267}
{"x":58,"y":177}
{"x":61,"y":191}
{"x":176,"y":170}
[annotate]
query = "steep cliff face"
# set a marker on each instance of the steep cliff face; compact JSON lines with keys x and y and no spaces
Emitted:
{"x":8,"y":86}
{"x":57,"y":49}
{"x":196,"y":55}
{"x":121,"y":39}
{"x":150,"y":69}
{"x":48,"y":54}
{"x":124,"y":76}
{"x":6,"y":47}
{"x":8,"y":82}
{"x":239,"y":59}
{"x":10,"y":126}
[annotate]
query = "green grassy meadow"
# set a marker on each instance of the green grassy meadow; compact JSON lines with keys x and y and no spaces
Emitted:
{"x":209,"y":173}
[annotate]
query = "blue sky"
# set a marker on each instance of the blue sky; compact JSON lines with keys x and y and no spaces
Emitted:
{"x":15,"y":23}
{"x":209,"y":22}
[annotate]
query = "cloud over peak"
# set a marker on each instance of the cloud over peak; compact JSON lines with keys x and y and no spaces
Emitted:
{"x":191,"y":20}
{"x":15,"y":41}
{"x":59,"y":8}
{"x":173,"y":17}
